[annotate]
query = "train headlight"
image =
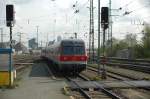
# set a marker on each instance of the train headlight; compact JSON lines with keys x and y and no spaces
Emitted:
{"x":64,"y":58}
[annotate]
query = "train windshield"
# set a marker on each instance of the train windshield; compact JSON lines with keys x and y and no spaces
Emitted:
{"x":79,"y":50}
{"x":67,"y":50}
{"x":73,"y":50}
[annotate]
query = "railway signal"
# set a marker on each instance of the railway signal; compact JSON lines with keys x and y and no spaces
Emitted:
{"x":9,"y":15}
{"x":105,"y":17}
{"x":10,"y":19}
{"x":105,"y":25}
{"x":10,"y":23}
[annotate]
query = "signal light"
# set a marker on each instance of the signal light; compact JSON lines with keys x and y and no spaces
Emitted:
{"x":105,"y":17}
{"x":9,"y":14}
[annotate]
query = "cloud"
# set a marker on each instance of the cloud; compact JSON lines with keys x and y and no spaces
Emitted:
{"x":44,"y":12}
{"x":21,"y":1}
{"x":145,"y":3}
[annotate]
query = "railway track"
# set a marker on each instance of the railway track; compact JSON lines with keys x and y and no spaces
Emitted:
{"x":22,"y":66}
{"x":101,"y":93}
{"x":94,"y":94}
{"x":111,"y":74}
{"x":25,"y":58}
{"x":116,"y":76}
{"x":81,"y":93}
{"x":141,"y":65}
{"x":23,"y":61}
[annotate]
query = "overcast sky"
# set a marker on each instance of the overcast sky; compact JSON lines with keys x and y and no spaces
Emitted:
{"x":57,"y":17}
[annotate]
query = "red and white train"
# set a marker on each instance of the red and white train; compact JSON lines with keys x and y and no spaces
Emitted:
{"x":68,"y":55}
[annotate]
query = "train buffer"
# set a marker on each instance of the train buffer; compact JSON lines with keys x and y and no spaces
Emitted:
{"x":110,"y":84}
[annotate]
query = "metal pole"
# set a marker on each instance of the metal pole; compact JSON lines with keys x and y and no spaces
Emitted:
{"x":104,"y":42}
{"x":20,"y":37}
{"x":92,"y":25}
{"x":47,"y":40}
{"x":90,"y":34}
{"x":75,"y":35}
{"x":54,"y":28}
{"x":37,"y":35}
{"x":11,"y":37}
{"x":110,"y":22}
{"x":98,"y":58}
{"x":103,"y":69}
{"x":10,"y":67}
{"x":2,"y":35}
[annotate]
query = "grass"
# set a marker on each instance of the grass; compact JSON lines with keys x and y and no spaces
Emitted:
{"x":146,"y":78}
{"x":96,"y":78}
{"x":65,"y":91}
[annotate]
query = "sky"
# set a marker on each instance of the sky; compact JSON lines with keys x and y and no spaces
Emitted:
{"x":57,"y":17}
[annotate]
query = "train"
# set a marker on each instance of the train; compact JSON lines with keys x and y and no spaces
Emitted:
{"x":68,"y":55}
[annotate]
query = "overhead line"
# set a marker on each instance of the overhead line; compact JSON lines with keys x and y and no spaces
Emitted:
{"x":130,"y":2}
{"x":80,"y":9}
{"x":138,"y":9}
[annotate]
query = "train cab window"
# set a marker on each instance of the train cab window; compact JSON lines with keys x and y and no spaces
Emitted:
{"x":68,"y":50}
{"x":73,"y":50}
{"x":79,"y":50}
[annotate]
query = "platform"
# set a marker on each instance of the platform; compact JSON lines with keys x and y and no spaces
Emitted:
{"x":7,"y":73}
{"x":110,"y":84}
{"x":35,"y":83}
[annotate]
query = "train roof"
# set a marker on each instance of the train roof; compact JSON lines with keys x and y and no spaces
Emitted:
{"x":70,"y":42}
{"x":66,"y":41}
{"x":76,"y":40}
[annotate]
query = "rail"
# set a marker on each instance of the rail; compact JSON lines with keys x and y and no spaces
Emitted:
{"x":101,"y":89}
{"x":85,"y":94}
{"x":116,"y":77}
{"x":22,"y":66}
{"x":142,"y":65}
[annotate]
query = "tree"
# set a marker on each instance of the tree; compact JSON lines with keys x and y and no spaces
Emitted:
{"x":131,"y":40}
{"x":146,"y":42}
{"x":142,"y":50}
{"x":139,"y":50}
{"x":117,"y":45}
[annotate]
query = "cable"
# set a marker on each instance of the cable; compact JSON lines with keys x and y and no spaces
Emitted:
{"x":130,"y":2}
{"x":140,"y":8}
{"x":81,"y":7}
{"x":135,"y":10}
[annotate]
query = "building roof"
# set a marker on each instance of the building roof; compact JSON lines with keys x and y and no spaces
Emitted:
{"x":20,"y":47}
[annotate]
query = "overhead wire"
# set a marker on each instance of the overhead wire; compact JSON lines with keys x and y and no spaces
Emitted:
{"x":46,"y":16}
{"x":132,"y":11}
{"x":129,"y":3}
{"x":81,"y":7}
{"x":138,"y":9}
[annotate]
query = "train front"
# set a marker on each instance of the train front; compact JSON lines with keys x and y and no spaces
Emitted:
{"x":73,"y":56}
